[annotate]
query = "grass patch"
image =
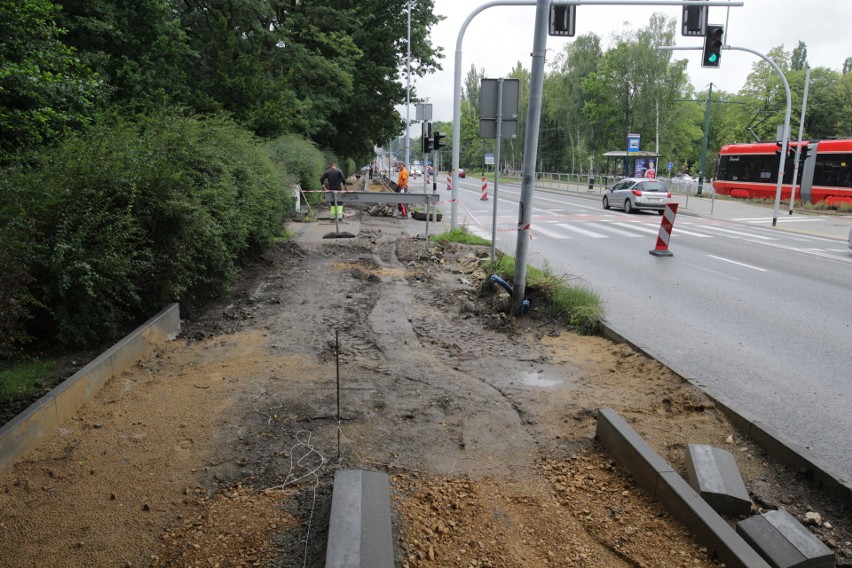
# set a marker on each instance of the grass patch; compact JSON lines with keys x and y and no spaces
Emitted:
{"x":554,"y":296}
{"x":459,"y":235}
{"x":24,"y":380}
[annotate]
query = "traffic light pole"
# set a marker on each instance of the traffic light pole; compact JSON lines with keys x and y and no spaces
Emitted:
{"x":799,"y":145}
{"x":785,"y":138}
{"x":785,"y":142}
{"x":703,"y":162}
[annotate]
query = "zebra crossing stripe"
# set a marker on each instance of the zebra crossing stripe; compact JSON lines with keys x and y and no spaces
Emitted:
{"x":580,"y":231}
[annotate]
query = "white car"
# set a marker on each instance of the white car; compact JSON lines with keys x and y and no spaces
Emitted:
{"x":633,"y":194}
{"x":682,"y":178}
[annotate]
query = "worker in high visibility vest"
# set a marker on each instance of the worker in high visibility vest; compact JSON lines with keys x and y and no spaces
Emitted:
{"x":402,"y":187}
{"x":333,"y":180}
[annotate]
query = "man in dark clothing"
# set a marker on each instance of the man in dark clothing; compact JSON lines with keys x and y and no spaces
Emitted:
{"x":333,"y":180}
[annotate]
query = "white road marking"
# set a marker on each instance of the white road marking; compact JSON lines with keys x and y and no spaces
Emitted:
{"x":637,"y":227}
{"x":607,"y":227}
{"x":581,"y":231}
{"x":737,"y":263}
{"x":552,"y":234}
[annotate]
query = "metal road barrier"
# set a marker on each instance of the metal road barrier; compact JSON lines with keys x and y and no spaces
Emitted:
{"x":381,"y":197}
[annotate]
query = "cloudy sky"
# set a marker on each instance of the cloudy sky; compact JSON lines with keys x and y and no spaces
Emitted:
{"x":500,"y":36}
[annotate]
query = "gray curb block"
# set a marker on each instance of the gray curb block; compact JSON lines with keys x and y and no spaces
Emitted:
{"x":656,"y":476}
{"x":776,"y":445}
{"x":33,"y":425}
{"x":359,"y":527}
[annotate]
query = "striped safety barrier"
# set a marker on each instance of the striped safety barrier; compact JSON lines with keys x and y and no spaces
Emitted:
{"x":666,"y":225}
{"x":484,"y":189}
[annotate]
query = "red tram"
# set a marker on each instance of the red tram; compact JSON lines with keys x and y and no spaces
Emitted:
{"x":751,"y":171}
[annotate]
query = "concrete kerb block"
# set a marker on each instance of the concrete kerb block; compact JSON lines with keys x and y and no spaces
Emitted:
{"x":34,"y":424}
{"x":655,"y":475}
{"x":778,"y":447}
{"x":687,"y":506}
{"x":359,"y":532}
{"x":784,"y":542}
{"x":37,"y":422}
{"x":713,"y":473}
{"x":629,"y":449}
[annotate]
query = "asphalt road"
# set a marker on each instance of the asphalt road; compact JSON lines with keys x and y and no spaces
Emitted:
{"x":761,"y":315}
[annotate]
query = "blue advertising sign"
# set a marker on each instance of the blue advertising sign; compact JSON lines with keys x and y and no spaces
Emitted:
{"x":632,"y":143}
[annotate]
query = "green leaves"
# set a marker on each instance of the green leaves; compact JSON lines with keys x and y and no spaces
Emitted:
{"x":136,"y":213}
{"x":44,"y":88}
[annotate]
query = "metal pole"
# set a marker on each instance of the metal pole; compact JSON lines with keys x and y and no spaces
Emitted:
{"x":799,"y":145}
{"x":530,"y":152}
{"x":457,"y":79}
{"x":337,"y":366}
{"x":785,"y":137}
{"x":704,"y":141}
{"x":457,"y":75}
{"x":408,"y":96}
{"x":496,"y":168}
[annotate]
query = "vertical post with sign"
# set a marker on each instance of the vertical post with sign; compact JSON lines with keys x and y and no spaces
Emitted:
{"x":632,"y":148}
{"x":499,"y":103}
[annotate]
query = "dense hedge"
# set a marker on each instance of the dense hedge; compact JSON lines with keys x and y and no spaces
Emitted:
{"x":113,"y":224}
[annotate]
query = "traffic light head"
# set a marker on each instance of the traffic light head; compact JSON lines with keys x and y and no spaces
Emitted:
{"x":438,"y":140}
{"x":713,"y":41}
{"x":427,"y":143}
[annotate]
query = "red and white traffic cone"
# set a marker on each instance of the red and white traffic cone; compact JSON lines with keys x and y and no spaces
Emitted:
{"x":484,"y":190}
{"x":666,"y":225}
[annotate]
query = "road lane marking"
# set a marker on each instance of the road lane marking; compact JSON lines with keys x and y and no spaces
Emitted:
{"x":737,"y":263}
{"x":606,"y":227}
{"x":637,"y":227}
{"x":551,"y":234}
{"x":738,"y":233}
{"x":584,"y":232}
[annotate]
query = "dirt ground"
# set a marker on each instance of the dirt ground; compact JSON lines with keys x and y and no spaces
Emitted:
{"x":220,"y":448}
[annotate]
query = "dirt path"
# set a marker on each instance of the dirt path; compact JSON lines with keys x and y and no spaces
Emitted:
{"x":220,"y":449}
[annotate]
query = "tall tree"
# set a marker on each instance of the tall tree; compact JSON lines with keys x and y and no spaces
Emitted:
{"x":138,"y":48}
{"x":379,"y":30}
{"x":44,"y":87}
{"x":799,"y":58}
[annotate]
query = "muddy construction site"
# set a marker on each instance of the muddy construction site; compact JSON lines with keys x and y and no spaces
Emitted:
{"x":220,"y":448}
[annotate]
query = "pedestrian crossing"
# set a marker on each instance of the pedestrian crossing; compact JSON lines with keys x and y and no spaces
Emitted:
{"x":561,"y":225}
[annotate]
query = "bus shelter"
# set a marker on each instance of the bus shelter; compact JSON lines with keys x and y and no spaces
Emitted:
{"x":631,"y":164}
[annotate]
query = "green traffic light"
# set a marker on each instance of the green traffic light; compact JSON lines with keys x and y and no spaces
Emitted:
{"x":712,"y":58}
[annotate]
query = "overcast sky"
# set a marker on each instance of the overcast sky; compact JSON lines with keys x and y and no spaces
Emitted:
{"x":500,"y":36}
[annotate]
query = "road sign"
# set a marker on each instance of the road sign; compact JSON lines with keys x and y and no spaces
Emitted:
{"x":488,"y":95}
{"x":669,"y":166}
{"x":632,"y":143}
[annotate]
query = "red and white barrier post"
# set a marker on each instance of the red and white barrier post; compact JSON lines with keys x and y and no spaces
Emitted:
{"x":666,"y":225}
{"x":449,"y":181}
{"x":484,"y":189}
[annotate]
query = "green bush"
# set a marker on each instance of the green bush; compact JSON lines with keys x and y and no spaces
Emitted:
{"x":137,"y":213}
{"x":300,"y":161}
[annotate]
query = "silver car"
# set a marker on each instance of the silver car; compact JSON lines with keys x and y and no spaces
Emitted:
{"x":633,"y":194}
